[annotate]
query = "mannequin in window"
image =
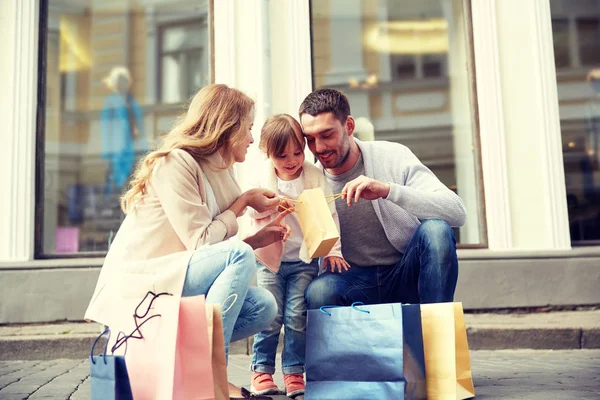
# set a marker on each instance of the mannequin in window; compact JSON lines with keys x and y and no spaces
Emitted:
{"x":122,"y":130}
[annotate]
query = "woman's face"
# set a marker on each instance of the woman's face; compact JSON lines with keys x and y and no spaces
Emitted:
{"x":240,"y":150}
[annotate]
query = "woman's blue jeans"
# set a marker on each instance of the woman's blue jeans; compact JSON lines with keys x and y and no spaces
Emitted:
{"x":224,"y":269}
{"x":288,"y":286}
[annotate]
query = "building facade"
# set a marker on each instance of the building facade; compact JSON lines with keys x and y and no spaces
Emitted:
{"x":498,"y":98}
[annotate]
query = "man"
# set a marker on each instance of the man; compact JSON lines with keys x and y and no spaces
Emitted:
{"x":395,"y":215}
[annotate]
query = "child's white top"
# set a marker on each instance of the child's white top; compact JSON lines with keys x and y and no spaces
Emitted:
{"x":292,"y":189}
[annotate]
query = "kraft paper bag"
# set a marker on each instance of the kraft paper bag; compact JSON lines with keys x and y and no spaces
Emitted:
{"x":363,"y":352}
{"x":217,"y":351}
{"x":317,"y":224}
{"x":447,"y":359}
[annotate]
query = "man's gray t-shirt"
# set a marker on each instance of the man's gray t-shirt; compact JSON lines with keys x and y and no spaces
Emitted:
{"x":364,"y":243}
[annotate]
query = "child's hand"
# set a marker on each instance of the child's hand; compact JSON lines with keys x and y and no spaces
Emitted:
{"x":288,"y":232}
{"x":336,"y":263}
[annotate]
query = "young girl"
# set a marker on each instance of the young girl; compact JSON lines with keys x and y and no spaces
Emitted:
{"x":285,"y":268}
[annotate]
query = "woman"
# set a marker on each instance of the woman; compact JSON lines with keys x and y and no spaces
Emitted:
{"x":182,"y":205}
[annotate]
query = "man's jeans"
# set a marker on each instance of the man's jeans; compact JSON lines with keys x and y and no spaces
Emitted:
{"x":288,"y":286}
{"x":427,"y":273}
{"x":226,"y":269}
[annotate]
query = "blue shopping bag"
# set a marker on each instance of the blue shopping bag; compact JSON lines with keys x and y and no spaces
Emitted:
{"x":365,"y":352}
{"x":108,"y":374}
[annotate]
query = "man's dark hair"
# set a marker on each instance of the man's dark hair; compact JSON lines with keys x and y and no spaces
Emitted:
{"x":326,"y":100}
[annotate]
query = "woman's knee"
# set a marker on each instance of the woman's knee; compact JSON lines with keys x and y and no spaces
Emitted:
{"x":241,"y":257}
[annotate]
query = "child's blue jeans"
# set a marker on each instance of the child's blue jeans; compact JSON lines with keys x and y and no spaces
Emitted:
{"x":288,"y":286}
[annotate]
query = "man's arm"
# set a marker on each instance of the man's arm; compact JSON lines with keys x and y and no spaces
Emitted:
{"x":425,"y":197}
{"x":415,"y":188}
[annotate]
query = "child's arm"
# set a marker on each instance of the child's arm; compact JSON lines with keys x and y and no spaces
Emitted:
{"x":335,"y":259}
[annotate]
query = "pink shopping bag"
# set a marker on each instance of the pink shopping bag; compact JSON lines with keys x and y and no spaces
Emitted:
{"x":169,"y":356}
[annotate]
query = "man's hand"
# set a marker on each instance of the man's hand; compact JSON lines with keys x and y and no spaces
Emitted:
{"x":336,"y":264}
{"x":262,"y":199}
{"x":366,"y":188}
{"x":271,"y":233}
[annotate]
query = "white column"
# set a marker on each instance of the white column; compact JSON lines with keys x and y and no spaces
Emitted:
{"x":491,"y":125}
{"x":18,"y":78}
{"x":346,"y":40}
{"x":224,"y":31}
{"x":299,"y":56}
{"x":536,"y":179}
{"x":242,"y":60}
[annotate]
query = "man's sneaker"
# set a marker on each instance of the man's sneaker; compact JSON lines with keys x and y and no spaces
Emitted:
{"x":263,"y":384}
{"x":294,"y":384}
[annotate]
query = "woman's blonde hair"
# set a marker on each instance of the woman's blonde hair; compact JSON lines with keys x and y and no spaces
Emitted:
{"x":277,"y":132}
{"x":216,"y":118}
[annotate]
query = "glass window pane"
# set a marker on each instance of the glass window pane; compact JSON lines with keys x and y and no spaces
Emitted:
{"x":579,"y":106}
{"x":179,"y":38}
{"x":588,"y":32}
{"x":109,"y":72}
{"x":560,"y":30}
{"x":404,"y":65}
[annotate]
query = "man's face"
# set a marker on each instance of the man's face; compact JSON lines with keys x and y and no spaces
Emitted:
{"x":327,"y":138}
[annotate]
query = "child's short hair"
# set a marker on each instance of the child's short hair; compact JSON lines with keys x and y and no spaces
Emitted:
{"x":277,"y":132}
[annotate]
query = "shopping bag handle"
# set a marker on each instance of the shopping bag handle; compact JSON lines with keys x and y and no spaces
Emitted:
{"x":137,"y":333}
{"x":356,"y":303}
{"x":154,"y":297}
{"x":106,"y":331}
{"x":122,"y":338}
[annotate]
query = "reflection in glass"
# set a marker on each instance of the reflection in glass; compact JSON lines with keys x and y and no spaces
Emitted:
{"x":576,"y":29}
{"x":404,"y":66}
{"x":116,"y":79}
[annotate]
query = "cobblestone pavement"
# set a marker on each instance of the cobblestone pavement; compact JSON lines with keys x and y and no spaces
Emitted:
{"x":502,"y":374}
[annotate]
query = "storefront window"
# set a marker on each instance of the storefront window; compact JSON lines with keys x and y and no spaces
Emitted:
{"x":576,"y":28}
{"x":117,"y":75}
{"x":405,"y":66}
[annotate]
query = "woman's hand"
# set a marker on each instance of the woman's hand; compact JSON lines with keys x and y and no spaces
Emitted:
{"x":271,"y":233}
{"x":262,"y":199}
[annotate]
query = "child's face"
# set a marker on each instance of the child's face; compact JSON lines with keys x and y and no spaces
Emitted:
{"x":288,"y":165}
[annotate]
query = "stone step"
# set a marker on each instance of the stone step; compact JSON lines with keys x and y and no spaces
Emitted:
{"x":550,"y":331}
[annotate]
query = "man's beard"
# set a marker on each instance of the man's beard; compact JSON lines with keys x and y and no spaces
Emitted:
{"x":340,"y":161}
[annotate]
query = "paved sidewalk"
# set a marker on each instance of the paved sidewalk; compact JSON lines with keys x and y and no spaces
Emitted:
{"x":501,"y":374}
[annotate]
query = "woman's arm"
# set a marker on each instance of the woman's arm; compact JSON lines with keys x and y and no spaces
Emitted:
{"x":175,"y":182}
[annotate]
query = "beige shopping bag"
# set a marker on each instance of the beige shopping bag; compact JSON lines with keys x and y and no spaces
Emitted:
{"x":447,"y":360}
{"x":318,"y":228}
{"x":215,"y":338}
